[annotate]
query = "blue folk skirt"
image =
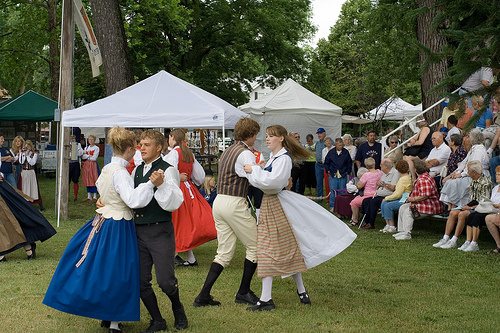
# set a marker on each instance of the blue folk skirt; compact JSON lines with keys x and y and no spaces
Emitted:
{"x":106,"y":284}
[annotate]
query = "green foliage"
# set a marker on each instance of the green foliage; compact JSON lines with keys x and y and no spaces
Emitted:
{"x":23,"y":47}
{"x":220,"y":46}
{"x":473,"y":29}
{"x":370,"y":55}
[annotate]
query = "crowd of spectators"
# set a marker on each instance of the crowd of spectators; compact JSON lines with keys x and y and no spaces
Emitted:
{"x":445,"y":173}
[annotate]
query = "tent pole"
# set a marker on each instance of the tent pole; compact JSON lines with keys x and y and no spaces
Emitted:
{"x":223,"y":132}
{"x":59,"y":178}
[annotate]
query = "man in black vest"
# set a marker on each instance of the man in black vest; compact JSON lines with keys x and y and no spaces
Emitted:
{"x":155,"y":232}
{"x":232,"y":218}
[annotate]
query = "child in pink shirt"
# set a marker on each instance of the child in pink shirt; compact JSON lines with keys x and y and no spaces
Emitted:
{"x":369,"y":183}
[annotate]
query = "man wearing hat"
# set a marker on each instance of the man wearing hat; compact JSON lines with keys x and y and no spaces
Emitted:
{"x":320,"y":167}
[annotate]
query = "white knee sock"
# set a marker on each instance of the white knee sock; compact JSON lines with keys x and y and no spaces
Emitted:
{"x":191,"y":259}
{"x":89,"y":195}
{"x":114,"y":325}
{"x":298,"y":281}
{"x":257,"y":212}
{"x":95,"y":196}
{"x":267,"y":287}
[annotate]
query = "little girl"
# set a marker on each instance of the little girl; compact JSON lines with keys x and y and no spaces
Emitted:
{"x":208,"y":189}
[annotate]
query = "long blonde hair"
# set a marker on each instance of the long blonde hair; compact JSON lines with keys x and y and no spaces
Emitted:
{"x":180,"y":140}
{"x":295,"y":149}
{"x":14,"y":148}
{"x":206,"y":184}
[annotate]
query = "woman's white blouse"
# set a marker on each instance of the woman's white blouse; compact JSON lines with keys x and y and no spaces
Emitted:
{"x":272,"y":182}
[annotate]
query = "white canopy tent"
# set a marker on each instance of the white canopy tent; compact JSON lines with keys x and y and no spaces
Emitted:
{"x":347,"y":119}
{"x":393,"y":108}
{"x":297,"y":109}
{"x":412,"y":112}
{"x":161,"y":100}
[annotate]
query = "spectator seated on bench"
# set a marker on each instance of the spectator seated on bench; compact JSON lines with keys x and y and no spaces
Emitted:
{"x":385,"y":186}
{"x":424,"y":197}
{"x":480,"y":189}
{"x":392,"y":203}
{"x":455,"y":189}
{"x":342,"y":201}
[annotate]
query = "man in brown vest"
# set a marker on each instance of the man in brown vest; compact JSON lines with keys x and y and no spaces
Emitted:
{"x":232,"y":218}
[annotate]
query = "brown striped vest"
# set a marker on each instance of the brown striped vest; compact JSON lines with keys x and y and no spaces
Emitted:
{"x":229,"y":183}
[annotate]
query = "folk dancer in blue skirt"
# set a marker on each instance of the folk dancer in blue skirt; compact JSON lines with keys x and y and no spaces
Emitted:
{"x":98,"y":274}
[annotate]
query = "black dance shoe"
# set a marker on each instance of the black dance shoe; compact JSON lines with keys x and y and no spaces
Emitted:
{"x":262,"y":306}
{"x":33,"y":253}
{"x":156,"y":326}
{"x":3,"y":259}
{"x":304,"y":298}
{"x":198,"y":301}
{"x":178,"y":261}
{"x":248,"y":298}
{"x":181,"y":322}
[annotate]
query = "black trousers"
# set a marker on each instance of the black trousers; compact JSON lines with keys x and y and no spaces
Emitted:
{"x":370,"y":207}
{"x":74,"y":172}
{"x":156,"y":244}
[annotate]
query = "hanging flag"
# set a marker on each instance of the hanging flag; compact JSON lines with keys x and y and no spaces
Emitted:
{"x":88,"y":37}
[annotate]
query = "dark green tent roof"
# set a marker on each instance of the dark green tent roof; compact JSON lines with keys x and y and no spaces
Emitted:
{"x":30,"y":106}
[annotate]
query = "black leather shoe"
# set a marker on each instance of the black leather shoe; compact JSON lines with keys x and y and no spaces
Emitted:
{"x":188,"y":264}
{"x":178,"y":261}
{"x":304,"y":298}
{"x":181,"y":322}
{"x":107,"y":324}
{"x":113,"y":330}
{"x":198,"y":301}
{"x":248,"y":298}
{"x":33,"y":253}
{"x":156,"y":326}
{"x":3,"y":259}
{"x":262,"y":306}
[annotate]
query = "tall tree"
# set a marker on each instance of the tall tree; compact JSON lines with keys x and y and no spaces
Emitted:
{"x":370,"y":56}
{"x":473,"y":29}
{"x":221,"y":46}
{"x":434,"y":69}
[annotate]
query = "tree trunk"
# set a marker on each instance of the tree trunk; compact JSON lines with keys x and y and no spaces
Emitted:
{"x":52,"y":26}
{"x":110,"y":33}
{"x":432,"y":72}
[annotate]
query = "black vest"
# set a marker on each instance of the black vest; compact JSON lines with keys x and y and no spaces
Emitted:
{"x":152,"y":213}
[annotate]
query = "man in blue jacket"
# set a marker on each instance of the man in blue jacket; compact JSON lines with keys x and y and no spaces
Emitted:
{"x":338,"y":165}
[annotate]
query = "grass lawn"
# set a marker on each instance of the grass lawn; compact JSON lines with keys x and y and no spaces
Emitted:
{"x":377,"y":285}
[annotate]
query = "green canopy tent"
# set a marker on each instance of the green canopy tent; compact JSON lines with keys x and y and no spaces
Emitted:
{"x":30,"y":106}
